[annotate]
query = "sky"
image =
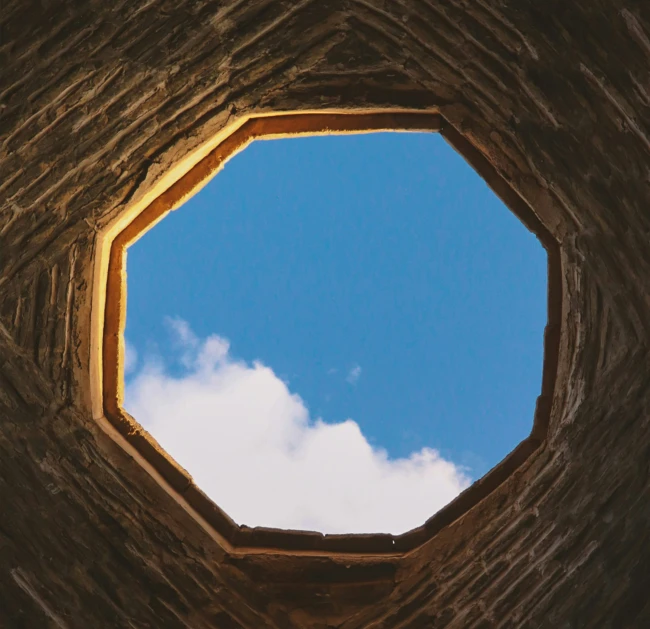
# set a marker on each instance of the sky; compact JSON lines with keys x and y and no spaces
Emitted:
{"x":337,"y":333}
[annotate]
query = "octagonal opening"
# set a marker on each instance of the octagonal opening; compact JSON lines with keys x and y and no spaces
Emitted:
{"x":207,"y":367}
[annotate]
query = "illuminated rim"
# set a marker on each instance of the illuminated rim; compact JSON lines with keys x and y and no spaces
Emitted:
{"x":109,"y":319}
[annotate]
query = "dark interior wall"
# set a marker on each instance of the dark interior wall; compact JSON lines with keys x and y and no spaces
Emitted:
{"x":99,"y":100}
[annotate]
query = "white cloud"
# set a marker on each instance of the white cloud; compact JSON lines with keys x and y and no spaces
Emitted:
{"x":252,"y":446}
{"x":130,"y":358}
{"x":354,"y":374}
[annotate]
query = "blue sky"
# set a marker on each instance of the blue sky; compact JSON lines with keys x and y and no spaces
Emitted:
{"x":379,"y":281}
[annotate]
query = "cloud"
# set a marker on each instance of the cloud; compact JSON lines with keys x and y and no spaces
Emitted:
{"x":252,"y":446}
{"x":354,"y":374}
{"x":130,"y":358}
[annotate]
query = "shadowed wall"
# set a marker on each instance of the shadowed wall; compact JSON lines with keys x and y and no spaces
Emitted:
{"x":100,"y":102}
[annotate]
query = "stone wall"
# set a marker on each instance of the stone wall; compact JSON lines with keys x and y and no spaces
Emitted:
{"x":100,"y":104}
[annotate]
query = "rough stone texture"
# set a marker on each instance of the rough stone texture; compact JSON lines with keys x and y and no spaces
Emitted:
{"x":99,"y":99}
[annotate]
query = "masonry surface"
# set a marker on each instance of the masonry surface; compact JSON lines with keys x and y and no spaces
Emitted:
{"x":101,"y":104}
